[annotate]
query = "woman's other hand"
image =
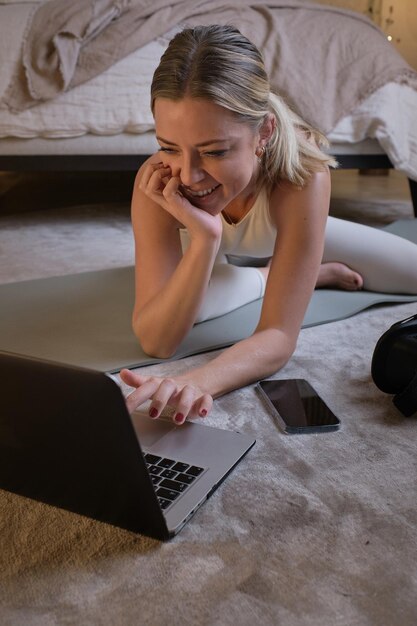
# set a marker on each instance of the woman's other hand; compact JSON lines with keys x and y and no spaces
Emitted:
{"x":186,"y":399}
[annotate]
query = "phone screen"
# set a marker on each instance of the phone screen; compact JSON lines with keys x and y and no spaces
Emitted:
{"x":297,"y":406}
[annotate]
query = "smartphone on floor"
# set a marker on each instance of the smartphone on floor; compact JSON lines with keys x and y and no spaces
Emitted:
{"x":297,"y":406}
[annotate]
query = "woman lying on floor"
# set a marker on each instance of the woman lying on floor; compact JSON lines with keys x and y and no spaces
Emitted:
{"x":237,"y":173}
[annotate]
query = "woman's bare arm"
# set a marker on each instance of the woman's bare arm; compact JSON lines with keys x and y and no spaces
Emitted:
{"x":170,"y":286}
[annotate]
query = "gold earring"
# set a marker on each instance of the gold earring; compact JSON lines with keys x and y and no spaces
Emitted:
{"x":260,"y":151}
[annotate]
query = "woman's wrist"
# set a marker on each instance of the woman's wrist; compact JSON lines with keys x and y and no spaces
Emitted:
{"x":205,"y":246}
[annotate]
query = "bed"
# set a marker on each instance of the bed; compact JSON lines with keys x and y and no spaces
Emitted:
{"x":362,"y":94}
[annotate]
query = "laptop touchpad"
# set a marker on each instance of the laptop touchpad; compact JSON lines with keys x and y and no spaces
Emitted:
{"x":149,"y":430}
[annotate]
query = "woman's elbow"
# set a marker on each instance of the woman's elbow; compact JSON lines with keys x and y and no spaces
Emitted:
{"x":156,"y":348}
{"x":281,"y":347}
{"x":281,"y":358}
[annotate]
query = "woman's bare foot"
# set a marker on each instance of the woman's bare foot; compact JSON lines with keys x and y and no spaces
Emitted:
{"x":340,"y":276}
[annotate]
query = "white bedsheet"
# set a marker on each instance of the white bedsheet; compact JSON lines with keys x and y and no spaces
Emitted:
{"x":116,"y":103}
{"x":389,"y":115}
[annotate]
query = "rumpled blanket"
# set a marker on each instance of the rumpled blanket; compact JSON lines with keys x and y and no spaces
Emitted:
{"x":323,"y":60}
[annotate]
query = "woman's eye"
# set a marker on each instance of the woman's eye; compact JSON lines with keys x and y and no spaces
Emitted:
{"x":212,"y":153}
{"x":216,"y":153}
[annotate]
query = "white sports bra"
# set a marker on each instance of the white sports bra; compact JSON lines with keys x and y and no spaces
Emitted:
{"x":253,"y":236}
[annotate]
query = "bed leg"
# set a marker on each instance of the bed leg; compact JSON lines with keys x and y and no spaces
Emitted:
{"x":413,"y":192}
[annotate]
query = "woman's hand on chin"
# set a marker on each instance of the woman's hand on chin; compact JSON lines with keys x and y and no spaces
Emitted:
{"x":160,"y":185}
{"x":186,"y":399}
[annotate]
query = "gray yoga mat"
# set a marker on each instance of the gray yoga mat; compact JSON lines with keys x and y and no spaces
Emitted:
{"x":85,"y":319}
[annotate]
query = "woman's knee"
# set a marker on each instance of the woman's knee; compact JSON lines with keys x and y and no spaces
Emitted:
{"x":231,"y":287}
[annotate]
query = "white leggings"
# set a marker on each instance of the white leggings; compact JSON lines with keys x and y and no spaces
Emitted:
{"x":386,"y":262}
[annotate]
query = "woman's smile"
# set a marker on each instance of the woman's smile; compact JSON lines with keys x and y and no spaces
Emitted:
{"x":201,"y":198}
{"x":201,"y":193}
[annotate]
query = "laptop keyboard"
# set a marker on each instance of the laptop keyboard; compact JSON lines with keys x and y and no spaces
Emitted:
{"x":170,"y":478}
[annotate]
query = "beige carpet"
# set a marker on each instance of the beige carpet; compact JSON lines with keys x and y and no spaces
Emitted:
{"x":313,"y":530}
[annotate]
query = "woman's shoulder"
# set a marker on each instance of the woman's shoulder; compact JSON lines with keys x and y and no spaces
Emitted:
{"x":285,"y":196}
{"x":285,"y":188}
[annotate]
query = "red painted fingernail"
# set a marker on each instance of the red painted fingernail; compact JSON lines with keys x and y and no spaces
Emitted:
{"x":203,"y":412}
{"x":153,"y":412}
{"x":179,"y":418}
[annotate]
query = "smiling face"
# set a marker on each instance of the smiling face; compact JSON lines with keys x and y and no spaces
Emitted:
{"x":209,"y":149}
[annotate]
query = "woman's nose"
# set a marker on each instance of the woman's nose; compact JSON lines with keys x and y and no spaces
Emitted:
{"x":190,"y":172}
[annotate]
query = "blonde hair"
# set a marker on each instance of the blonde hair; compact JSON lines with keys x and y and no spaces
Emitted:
{"x":217,"y":63}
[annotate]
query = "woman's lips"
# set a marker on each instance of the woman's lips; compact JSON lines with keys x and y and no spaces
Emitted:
{"x":200,"y":196}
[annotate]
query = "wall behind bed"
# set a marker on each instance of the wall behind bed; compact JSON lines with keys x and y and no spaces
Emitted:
{"x":399,"y":21}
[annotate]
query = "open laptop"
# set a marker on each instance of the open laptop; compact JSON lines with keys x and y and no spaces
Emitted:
{"x":67,"y":439}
